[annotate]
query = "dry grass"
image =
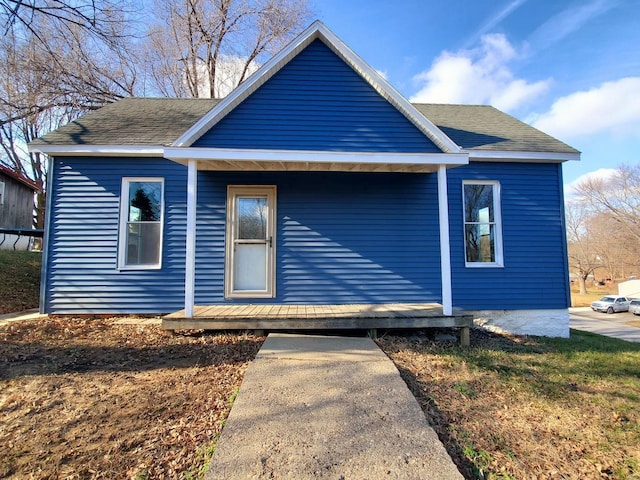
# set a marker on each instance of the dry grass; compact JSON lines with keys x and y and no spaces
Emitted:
{"x":89,"y":399}
{"x":585,"y":299}
{"x":530,"y":408}
{"x":20,"y":280}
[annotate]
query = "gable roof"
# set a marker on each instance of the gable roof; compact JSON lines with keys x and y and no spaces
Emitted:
{"x":169,"y":127}
{"x":318,"y":31}
{"x":27,"y":182}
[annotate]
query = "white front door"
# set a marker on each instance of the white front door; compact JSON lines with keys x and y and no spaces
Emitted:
{"x":250,"y":252}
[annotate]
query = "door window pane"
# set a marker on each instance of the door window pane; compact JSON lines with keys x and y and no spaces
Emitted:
{"x":250,"y":267}
{"x":252,"y":218}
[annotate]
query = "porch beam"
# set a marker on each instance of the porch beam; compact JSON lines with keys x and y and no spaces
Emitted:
{"x":183,"y":154}
{"x":445,"y":251}
{"x":190,"y":260}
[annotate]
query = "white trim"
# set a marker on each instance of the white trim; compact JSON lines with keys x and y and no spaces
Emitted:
{"x":317,"y":30}
{"x":99,"y":150}
{"x":123,"y":222}
{"x":2,"y":190}
{"x":190,"y":253}
{"x":180,"y":154}
{"x":507,"y":156}
{"x":497,"y":222}
{"x":233,"y":191}
{"x":445,"y":249}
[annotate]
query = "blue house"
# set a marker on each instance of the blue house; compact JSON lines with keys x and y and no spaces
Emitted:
{"x":314,"y":184}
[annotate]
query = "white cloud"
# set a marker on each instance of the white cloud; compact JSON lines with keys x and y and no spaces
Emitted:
{"x":601,"y":173}
{"x":478,"y":76}
{"x":495,"y":20}
{"x":568,"y":21}
{"x":613,"y":107}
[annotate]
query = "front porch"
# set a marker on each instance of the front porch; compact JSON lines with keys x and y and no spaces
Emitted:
{"x":320,"y":317}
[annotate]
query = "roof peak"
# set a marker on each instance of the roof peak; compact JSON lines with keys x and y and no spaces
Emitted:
{"x":318,"y":31}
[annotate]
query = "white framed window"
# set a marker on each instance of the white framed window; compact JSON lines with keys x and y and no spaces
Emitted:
{"x":1,"y":193}
{"x":141,"y":223}
{"x":250,"y":241}
{"x":482,"y":223}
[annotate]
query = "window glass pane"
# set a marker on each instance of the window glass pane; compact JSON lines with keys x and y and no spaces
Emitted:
{"x":252,"y":218}
{"x":478,"y":201}
{"x":143,"y":243}
{"x":480,"y":240}
{"x":145,"y":200}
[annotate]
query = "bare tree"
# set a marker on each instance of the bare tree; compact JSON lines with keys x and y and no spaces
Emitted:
{"x":617,"y":196}
{"x":51,"y":79}
{"x":583,"y":257}
{"x":62,"y":58}
{"x":205,"y":48}
{"x":96,"y":17}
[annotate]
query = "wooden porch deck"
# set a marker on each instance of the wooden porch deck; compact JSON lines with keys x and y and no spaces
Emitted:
{"x":320,"y":317}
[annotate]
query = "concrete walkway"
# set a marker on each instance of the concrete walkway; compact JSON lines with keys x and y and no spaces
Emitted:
{"x":7,"y":318}
{"x":314,"y":407}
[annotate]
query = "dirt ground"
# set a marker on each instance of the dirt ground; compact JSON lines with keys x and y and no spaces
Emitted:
{"x":94,"y":399}
{"x":89,"y":399}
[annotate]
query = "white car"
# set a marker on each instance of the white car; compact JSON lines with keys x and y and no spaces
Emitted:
{"x":610,"y":304}
{"x":634,"y":306}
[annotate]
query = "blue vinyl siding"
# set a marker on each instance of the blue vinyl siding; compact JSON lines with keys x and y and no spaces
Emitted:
{"x":82,"y":274}
{"x":535,"y":272}
{"x":341,"y":237}
{"x":317,"y":102}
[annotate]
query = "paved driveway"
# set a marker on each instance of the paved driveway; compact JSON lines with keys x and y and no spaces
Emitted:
{"x":612,"y":325}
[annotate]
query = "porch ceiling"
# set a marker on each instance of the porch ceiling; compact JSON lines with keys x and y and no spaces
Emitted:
{"x":297,"y":160}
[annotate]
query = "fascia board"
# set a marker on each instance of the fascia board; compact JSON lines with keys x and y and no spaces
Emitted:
{"x":99,"y":150}
{"x":507,"y":156}
{"x":181,"y":154}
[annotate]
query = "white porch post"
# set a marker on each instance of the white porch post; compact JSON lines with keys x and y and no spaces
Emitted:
{"x":190,"y":257}
{"x":445,"y":252}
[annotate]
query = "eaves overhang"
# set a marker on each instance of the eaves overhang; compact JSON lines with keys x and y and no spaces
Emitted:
{"x":184,"y":154}
{"x":515,"y":156}
{"x":98,"y":150}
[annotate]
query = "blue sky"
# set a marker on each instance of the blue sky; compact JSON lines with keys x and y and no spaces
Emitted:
{"x":570,"y":68}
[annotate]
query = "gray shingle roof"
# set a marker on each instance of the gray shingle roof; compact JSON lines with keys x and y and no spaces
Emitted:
{"x":132,"y":121}
{"x":482,"y":127}
{"x":161,"y":121}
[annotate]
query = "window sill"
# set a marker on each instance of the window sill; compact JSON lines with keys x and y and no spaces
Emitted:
{"x":483,"y":265}
{"x":139,"y":267}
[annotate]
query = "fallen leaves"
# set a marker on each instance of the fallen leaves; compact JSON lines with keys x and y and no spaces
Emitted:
{"x":88,"y":398}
